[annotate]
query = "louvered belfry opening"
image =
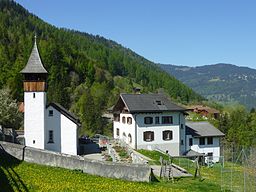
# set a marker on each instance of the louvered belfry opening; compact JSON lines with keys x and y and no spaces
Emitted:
{"x":35,"y":82}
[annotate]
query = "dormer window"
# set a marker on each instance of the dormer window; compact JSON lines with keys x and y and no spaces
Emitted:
{"x":158,"y":102}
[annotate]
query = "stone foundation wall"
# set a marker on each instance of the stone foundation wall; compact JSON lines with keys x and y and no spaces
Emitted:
{"x":132,"y":172}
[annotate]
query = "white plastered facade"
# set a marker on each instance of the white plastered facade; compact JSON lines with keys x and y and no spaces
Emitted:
{"x":133,"y":134}
{"x":64,"y":132}
{"x":34,"y":119}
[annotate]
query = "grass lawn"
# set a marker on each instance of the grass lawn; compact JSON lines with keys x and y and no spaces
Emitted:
{"x":22,"y":176}
{"x":233,"y":177}
{"x":155,"y":156}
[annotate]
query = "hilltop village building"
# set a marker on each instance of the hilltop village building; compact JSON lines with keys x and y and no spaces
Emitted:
{"x":204,"y":111}
{"x":51,"y":126}
{"x":153,"y":122}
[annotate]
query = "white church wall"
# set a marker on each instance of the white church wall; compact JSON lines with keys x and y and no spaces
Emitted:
{"x":53,"y":123}
{"x":34,"y":119}
{"x":69,"y":137}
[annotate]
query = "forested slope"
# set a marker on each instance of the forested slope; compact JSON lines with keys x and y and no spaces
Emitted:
{"x":86,"y":72}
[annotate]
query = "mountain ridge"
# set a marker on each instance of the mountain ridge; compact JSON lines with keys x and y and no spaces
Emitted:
{"x":221,"y":82}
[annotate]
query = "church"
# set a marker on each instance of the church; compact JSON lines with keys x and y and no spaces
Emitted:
{"x":46,"y":126}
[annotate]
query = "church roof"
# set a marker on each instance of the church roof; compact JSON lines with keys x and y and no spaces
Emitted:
{"x":34,"y":64}
{"x":65,"y":112}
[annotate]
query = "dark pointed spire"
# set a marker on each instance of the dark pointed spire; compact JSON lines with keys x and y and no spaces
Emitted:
{"x":34,"y":64}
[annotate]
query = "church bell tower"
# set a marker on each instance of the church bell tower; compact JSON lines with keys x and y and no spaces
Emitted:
{"x":35,"y":76}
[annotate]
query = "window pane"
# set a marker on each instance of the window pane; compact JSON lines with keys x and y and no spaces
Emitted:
{"x":123,"y":119}
{"x":201,"y":141}
{"x":167,"y":120}
{"x":210,"y":156}
{"x":50,"y":112}
{"x":50,"y":136}
{"x":190,"y":141}
{"x":148,"y":120}
{"x":209,"y":140}
{"x":157,"y":120}
{"x":130,"y":138}
{"x":167,"y":135}
{"x":148,"y":136}
{"x":129,"y":120}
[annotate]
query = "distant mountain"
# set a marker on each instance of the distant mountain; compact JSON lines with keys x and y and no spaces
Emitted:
{"x":220,"y":82}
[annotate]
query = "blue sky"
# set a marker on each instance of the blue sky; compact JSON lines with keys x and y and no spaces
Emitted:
{"x":181,"y":32}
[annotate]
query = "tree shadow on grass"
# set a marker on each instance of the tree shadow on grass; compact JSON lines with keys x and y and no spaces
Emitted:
{"x":9,"y":179}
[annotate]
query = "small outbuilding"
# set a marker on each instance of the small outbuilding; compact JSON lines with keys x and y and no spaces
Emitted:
{"x":204,"y":138}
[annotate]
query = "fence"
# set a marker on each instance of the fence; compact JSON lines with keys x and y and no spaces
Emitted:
{"x":235,"y":170}
{"x":238,"y":168}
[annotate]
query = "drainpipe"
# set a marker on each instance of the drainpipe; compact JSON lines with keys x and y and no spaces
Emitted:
{"x":185,"y":137}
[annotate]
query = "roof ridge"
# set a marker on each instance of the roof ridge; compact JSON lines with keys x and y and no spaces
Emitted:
{"x":65,"y":112}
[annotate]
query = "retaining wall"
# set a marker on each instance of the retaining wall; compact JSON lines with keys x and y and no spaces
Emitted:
{"x":132,"y":172}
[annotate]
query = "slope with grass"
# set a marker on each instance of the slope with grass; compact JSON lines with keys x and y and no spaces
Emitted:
{"x":225,"y":175}
{"x":22,"y":176}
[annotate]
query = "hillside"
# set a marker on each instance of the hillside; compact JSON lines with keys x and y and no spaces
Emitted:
{"x":220,"y":82}
{"x":86,"y":72}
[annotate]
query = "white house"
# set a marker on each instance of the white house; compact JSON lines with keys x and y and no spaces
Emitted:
{"x":52,"y":127}
{"x":150,"y":121}
{"x":204,"y":138}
